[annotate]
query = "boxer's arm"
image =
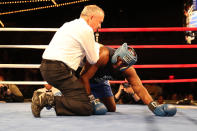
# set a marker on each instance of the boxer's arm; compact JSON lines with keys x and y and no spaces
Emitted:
{"x":158,"y":110}
{"x":137,"y":85}
{"x":87,"y":73}
{"x":89,"y":70}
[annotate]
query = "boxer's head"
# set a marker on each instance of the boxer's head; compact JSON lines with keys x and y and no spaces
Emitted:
{"x":124,"y":57}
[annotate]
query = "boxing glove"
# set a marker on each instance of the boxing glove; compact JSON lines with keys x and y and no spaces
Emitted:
{"x":162,"y":110}
{"x":98,"y":107}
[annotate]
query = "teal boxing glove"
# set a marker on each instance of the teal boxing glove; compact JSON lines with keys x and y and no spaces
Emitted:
{"x":162,"y":110}
{"x":98,"y":107}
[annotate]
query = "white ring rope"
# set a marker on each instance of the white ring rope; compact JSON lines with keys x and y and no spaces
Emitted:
{"x":24,"y":46}
{"x":19,"y":65}
{"x":143,"y":81}
{"x":24,"y":82}
{"x":30,"y":29}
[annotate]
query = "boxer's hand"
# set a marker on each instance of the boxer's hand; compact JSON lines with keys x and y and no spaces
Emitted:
{"x":98,"y":107}
{"x":162,"y":110}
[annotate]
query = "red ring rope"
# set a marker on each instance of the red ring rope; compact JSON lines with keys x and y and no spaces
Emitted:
{"x":166,"y":66}
{"x":157,"y":46}
{"x":160,"y":81}
{"x":157,"y":29}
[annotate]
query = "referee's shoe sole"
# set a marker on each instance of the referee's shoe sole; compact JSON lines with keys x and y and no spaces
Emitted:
{"x":40,"y":100}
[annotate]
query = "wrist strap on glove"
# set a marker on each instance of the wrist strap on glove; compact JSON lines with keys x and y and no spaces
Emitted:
{"x":153,"y":105}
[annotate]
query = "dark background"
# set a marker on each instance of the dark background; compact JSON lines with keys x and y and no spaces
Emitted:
{"x":125,"y":13}
{"x":118,"y":14}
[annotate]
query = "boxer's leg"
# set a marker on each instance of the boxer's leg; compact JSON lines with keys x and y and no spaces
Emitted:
{"x":103,"y":91}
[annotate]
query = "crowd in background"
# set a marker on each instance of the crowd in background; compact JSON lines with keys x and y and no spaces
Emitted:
{"x":163,"y":93}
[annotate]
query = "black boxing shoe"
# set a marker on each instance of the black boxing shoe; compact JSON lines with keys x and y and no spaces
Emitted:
{"x":41,"y":100}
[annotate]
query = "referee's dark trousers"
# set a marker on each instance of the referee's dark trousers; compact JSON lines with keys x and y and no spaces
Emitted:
{"x":75,"y":100}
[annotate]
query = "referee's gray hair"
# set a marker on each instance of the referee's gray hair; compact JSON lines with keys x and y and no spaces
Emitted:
{"x":90,"y":10}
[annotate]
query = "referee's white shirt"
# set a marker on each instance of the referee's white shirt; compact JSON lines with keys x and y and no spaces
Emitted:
{"x":71,"y":43}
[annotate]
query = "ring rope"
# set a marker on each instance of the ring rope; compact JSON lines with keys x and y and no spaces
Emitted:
{"x":112,"y":46}
{"x":158,"y":46}
{"x":161,"y":81}
{"x":135,"y":66}
{"x":24,"y":82}
{"x":30,"y":29}
{"x":111,"y":82}
{"x":156,"y":29}
{"x":19,"y":65}
{"x":152,"y":29}
{"x":166,"y":66}
{"x":24,"y":46}
{"x":109,"y":30}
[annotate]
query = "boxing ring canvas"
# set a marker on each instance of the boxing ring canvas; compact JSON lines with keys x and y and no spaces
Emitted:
{"x":18,"y":117}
